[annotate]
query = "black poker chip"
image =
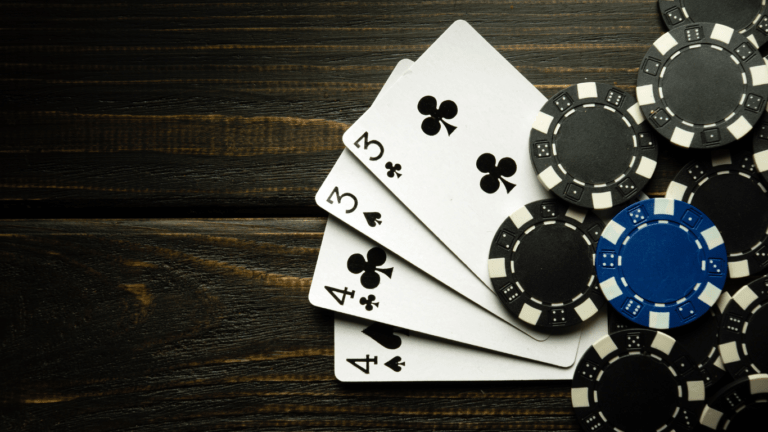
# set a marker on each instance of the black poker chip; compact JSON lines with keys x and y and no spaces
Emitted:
{"x":746,"y":16}
{"x":743,"y":330}
{"x":741,"y":406}
{"x":726,"y":186}
{"x":702,"y":85}
{"x":637,"y":380}
{"x":541,"y":264}
{"x":760,"y":147}
{"x":700,"y":338}
{"x":591,"y":145}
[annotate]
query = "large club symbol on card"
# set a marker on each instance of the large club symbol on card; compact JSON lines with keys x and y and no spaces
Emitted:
{"x":431,"y":124}
{"x":506,"y":167}
{"x":370,"y":278}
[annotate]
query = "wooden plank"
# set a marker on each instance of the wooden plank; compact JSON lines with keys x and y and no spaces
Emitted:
{"x":202,"y":325}
{"x":118,"y":109}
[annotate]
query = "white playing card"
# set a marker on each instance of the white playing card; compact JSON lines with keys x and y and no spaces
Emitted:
{"x":400,"y":69}
{"x":435,"y":164}
{"x":366,"y":351}
{"x":356,"y":197}
{"x":358,"y":277}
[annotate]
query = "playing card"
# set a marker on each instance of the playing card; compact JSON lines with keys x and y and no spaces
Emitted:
{"x":450,"y":140}
{"x":358,"y":277}
{"x":356,"y":197}
{"x":367,"y":351}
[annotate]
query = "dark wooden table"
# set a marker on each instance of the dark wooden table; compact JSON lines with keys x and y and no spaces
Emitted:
{"x":158,"y":165}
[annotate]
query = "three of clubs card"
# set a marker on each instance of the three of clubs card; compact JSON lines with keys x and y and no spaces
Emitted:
{"x":453,"y":131}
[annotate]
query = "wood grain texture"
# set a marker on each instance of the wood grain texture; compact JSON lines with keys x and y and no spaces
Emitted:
{"x":203,"y":325}
{"x":173,"y":109}
{"x":123,"y":109}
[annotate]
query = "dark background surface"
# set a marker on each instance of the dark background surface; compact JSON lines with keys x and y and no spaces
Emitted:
{"x":158,"y":165}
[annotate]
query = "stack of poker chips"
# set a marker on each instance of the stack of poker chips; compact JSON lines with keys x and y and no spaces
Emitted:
{"x":681,"y":354}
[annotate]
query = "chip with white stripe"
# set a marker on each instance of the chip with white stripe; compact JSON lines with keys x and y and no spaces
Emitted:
{"x":740,"y":406}
{"x":700,"y":338}
{"x":664,"y":266}
{"x":725,"y":186}
{"x":541,"y":264}
{"x":746,"y":17}
{"x":708,"y":88}
{"x":743,"y":329}
{"x":591,"y":146}
{"x":637,"y":380}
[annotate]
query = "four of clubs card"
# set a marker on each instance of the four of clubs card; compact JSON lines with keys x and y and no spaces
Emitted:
{"x":358,"y":277}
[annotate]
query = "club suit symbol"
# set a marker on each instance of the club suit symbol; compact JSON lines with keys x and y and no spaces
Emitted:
{"x":507,"y":167}
{"x":392,"y":169}
{"x":369,"y":302}
{"x":431,"y":124}
{"x":376,"y":257}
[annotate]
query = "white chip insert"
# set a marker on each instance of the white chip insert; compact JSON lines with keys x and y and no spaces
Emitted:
{"x":587,"y":90}
{"x":521,"y":217}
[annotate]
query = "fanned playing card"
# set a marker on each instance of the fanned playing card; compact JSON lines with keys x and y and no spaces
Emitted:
{"x":353,"y":195}
{"x":450,"y":140}
{"x":358,"y":277}
{"x":366,"y":351}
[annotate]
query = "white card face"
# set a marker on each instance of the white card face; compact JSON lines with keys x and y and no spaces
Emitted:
{"x":460,"y":185}
{"x":358,"y":277}
{"x":367,"y":351}
{"x":356,"y":197}
{"x":400,"y":69}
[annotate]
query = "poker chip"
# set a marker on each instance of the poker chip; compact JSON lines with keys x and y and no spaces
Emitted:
{"x":760,"y":146}
{"x":661,"y":263}
{"x":726,"y":186}
{"x":591,"y":146}
{"x":743,"y":330}
{"x":741,"y":406}
{"x":637,"y":380}
{"x":541,"y":264}
{"x":702,"y":85}
{"x":700,"y":339}
{"x":746,"y":16}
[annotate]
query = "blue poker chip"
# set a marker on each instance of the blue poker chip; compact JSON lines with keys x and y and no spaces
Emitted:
{"x":661,"y":263}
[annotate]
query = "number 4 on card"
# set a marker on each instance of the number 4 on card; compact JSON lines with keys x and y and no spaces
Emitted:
{"x":367,"y":360}
{"x":344,"y":293}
